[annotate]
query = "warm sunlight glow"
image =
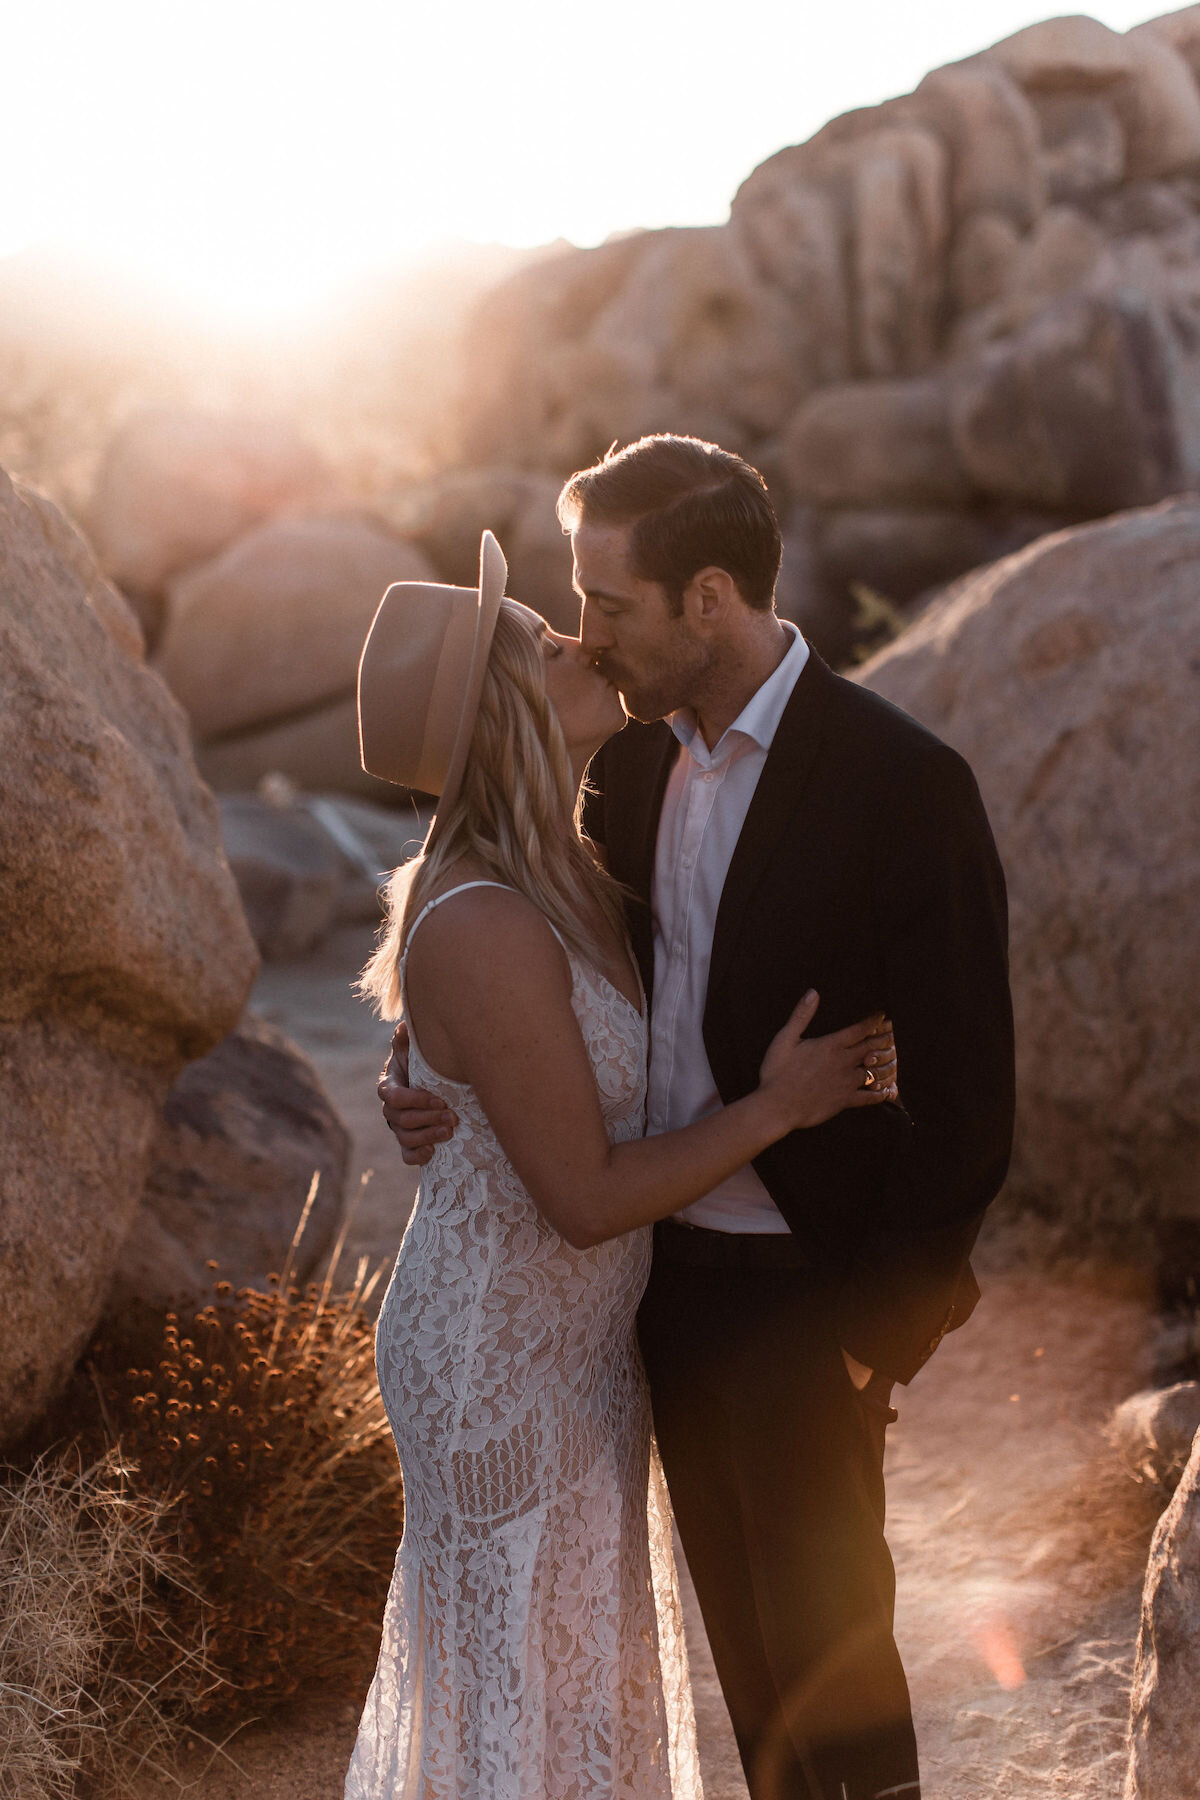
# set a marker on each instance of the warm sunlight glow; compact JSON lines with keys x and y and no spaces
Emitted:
{"x":253,"y":156}
{"x":998,"y":1647}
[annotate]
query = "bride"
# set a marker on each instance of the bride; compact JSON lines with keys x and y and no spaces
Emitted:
{"x":531,"y":1643}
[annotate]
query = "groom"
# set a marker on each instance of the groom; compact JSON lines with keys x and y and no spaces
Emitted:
{"x":779,"y":828}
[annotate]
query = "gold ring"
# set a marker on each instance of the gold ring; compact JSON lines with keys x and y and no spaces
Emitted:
{"x":870,"y":1078}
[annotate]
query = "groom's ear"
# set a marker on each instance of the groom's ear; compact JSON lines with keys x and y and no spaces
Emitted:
{"x":708,"y":597}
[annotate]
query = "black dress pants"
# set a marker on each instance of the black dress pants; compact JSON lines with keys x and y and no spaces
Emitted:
{"x":775,"y":1467}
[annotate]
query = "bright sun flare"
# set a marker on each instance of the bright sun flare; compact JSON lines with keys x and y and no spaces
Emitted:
{"x":254,"y":156}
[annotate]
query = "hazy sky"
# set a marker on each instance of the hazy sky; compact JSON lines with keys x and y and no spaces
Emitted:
{"x":256,"y":154}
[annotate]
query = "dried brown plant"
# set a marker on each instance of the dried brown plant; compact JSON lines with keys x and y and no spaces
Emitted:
{"x":95,"y":1677}
{"x":257,"y":1420}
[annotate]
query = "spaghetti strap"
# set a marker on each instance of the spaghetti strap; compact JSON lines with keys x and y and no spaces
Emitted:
{"x":574,"y":962}
{"x":462,"y":889}
{"x":449,"y":895}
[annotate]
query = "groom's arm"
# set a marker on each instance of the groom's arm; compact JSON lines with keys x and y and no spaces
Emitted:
{"x":943,"y":926}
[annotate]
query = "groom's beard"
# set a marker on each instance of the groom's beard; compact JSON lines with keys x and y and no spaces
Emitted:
{"x":655,"y":693}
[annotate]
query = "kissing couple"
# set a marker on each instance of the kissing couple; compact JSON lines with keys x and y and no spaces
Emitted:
{"x":654,"y":978}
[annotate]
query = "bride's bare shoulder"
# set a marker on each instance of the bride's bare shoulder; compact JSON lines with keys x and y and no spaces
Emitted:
{"x":484,"y":935}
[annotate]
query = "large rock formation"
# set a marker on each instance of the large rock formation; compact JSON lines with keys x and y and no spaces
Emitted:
{"x":1067,"y":675}
{"x":261,"y":646}
{"x":175,"y":488}
{"x":1089,"y":409}
{"x":124,"y":951}
{"x":597,"y":344}
{"x":305,"y":862}
{"x":241,"y":1135}
{"x":1153,"y":1431}
{"x":317,"y":750}
{"x":1164,"y":1738}
{"x":287,"y":870}
{"x":447,"y":515}
{"x":876,"y":443}
{"x":980,"y":298}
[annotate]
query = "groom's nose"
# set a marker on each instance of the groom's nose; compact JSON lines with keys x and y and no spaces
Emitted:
{"x":593,"y":632}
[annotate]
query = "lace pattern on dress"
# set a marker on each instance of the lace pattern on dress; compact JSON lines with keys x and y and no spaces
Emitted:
{"x":532,"y":1641}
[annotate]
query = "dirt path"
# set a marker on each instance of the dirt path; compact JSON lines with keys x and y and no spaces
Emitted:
{"x":1019,"y":1546}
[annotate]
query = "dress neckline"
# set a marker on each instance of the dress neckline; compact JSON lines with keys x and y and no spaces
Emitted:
{"x":638,"y":1006}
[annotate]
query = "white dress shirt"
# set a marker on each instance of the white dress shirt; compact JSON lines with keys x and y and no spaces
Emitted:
{"x":704,"y":808}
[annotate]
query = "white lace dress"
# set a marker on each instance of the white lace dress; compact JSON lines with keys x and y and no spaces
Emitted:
{"x":532,"y":1645}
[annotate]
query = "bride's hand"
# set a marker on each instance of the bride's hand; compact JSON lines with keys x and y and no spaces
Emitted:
{"x":812,"y":1079}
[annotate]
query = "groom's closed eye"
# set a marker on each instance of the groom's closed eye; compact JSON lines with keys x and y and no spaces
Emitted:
{"x":602,"y":602}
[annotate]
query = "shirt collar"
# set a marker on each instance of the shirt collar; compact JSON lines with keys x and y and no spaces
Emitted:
{"x":759,"y":718}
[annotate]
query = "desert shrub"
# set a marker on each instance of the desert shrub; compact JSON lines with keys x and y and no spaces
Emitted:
{"x":256,"y":1419}
{"x":877,"y":621}
{"x":95,"y":1675}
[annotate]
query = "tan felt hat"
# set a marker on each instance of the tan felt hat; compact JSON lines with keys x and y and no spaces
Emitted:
{"x":420,"y":677}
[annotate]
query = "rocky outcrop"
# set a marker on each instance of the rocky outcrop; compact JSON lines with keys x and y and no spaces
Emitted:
{"x":72,"y":554}
{"x":876,"y":443}
{"x":1153,"y":1431}
{"x":287,"y":870}
{"x":520,"y":404}
{"x":447,"y":515}
{"x":1182,"y":31}
{"x":175,"y":488}
{"x":904,"y":551}
{"x":979,"y":297}
{"x":595,"y":344}
{"x":1164,"y":1737}
{"x":241,"y":1135}
{"x":1066,"y":674}
{"x":124,"y":951}
{"x":1089,"y":409}
{"x":261,"y":647}
{"x":317,"y":750}
{"x":306,"y":862}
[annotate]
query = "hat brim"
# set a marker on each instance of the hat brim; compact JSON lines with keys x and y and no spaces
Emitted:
{"x":493,"y":574}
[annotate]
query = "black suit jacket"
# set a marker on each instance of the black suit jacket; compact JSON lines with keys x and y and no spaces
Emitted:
{"x":865,"y":869}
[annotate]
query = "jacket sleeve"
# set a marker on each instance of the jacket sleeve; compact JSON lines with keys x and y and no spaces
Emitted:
{"x":943,"y":923}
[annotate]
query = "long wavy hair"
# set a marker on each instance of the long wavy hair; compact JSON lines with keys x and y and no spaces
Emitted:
{"x":516,"y":815}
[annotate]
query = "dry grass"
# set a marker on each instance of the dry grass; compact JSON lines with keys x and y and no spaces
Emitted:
{"x":94,"y":1676}
{"x":257,"y":1419}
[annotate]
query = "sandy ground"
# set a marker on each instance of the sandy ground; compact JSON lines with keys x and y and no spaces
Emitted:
{"x":1019,"y":1545}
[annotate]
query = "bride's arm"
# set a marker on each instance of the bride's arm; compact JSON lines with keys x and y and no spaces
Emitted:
{"x":490,"y":992}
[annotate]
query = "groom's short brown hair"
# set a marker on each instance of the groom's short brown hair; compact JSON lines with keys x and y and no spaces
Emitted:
{"x":692,"y":506}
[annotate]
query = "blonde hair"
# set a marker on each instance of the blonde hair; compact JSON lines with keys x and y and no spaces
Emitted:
{"x":515,"y":815}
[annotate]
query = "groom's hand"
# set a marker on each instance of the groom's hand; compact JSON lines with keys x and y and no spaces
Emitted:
{"x":416,"y":1119}
{"x":858,"y":1372}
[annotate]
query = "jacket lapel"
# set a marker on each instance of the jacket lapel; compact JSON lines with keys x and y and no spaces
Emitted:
{"x":778,"y":794}
{"x":641,"y":809}
{"x":653,"y":774}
